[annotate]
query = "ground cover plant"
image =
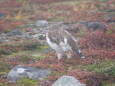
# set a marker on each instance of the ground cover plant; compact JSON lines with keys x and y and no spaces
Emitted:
{"x":97,"y":69}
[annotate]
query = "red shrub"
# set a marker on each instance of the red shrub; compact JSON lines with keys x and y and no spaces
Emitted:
{"x":10,"y":3}
{"x":99,"y":44}
{"x":47,"y":1}
{"x":99,"y":40}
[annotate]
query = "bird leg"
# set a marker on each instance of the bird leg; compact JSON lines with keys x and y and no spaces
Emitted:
{"x":59,"y":55}
{"x":69,"y":55}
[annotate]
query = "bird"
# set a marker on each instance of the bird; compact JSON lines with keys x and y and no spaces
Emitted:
{"x":61,"y":41}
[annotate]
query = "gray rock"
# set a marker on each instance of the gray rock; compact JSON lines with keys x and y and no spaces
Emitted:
{"x":41,"y":23}
{"x":3,"y":40}
{"x":93,"y":25}
{"x":36,"y":36}
{"x":96,"y":25}
{"x":2,"y":15}
{"x":42,"y":37}
{"x":110,"y":13}
{"x":27,"y":36}
{"x":111,"y":10}
{"x":15,"y":32}
{"x":111,"y":21}
{"x":67,"y":81}
{"x":19,"y":72}
{"x":2,"y":35}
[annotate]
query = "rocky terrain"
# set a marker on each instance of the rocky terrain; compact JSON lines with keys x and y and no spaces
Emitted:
{"x":27,"y":60}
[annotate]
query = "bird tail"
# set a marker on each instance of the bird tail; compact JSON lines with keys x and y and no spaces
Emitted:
{"x":78,"y":52}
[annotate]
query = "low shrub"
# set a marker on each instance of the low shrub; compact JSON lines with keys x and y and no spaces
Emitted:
{"x":14,"y":47}
{"x":4,"y":66}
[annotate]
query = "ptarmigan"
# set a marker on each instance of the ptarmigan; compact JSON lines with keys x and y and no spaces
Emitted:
{"x":63,"y":42}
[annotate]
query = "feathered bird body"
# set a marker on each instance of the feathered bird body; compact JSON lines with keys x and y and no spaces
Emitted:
{"x":62,"y":41}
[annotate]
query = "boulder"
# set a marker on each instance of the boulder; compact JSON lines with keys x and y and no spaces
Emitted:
{"x":15,"y":32}
{"x":85,"y":26}
{"x":92,"y":25}
{"x":41,"y":23}
{"x":67,"y":81}
{"x":20,"y":71}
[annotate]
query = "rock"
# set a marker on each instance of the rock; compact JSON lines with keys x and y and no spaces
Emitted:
{"x":110,"y":14}
{"x":20,"y":71}
{"x":2,"y":15}
{"x":67,"y":81}
{"x":93,"y":25}
{"x":111,"y":21}
{"x":35,"y":36}
{"x":3,"y":37}
{"x":41,"y":23}
{"x":15,"y":32}
{"x":27,"y":36}
{"x":42,"y":37}
{"x":3,"y":40}
{"x":82,"y":27}
{"x":111,"y":10}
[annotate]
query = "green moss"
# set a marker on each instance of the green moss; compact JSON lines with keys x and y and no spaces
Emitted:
{"x":55,"y":73}
{"x":19,"y":53}
{"x":17,"y":46}
{"x":108,"y":84}
{"x":61,"y":18}
{"x":44,"y":47}
{"x":22,"y":82}
{"x":32,"y":45}
{"x":26,"y":59}
{"x":38,"y":56}
{"x":106,"y":68}
{"x":69,"y":2}
{"x":109,"y":32}
{"x":4,"y":66}
{"x":28,"y":82}
{"x":5,"y":52}
{"x":3,"y":73}
{"x":101,"y":0}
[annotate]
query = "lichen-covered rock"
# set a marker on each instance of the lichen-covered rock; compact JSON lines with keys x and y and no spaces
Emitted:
{"x":67,"y":81}
{"x":19,"y":72}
